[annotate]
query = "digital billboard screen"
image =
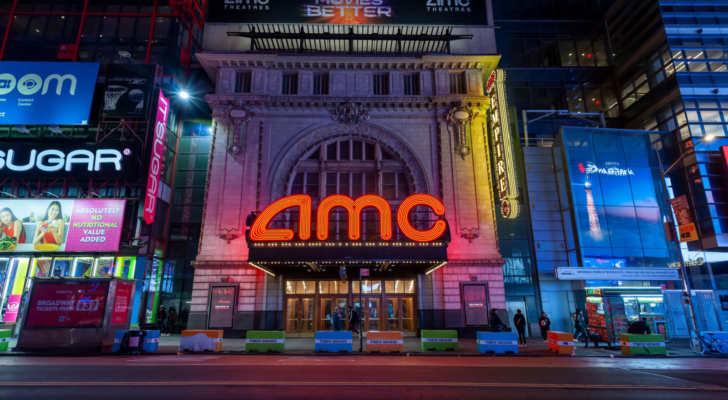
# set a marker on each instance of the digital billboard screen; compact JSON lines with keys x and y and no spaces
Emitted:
{"x":46,"y":93}
{"x":349,"y":12}
{"x":67,"y":304}
{"x":71,"y":225}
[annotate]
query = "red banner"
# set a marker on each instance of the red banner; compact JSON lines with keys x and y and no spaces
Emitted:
{"x":57,"y":305}
{"x":121,"y":304}
{"x":155,"y":164}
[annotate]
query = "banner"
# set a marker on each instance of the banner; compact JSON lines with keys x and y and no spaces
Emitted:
{"x":46,"y":93}
{"x":349,"y":12}
{"x":155,"y":163}
{"x":69,"y":225}
{"x":122,"y":303}
{"x":69,"y":304}
{"x":616,"y":274}
{"x":128,"y":90}
{"x":59,"y":160}
{"x":685,"y":223}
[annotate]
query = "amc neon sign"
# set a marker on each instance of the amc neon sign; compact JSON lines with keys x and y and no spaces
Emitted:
{"x":259,"y":232}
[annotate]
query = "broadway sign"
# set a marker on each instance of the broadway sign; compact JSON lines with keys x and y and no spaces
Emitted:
{"x":349,"y":12}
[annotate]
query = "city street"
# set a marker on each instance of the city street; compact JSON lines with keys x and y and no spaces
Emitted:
{"x":371,"y":377}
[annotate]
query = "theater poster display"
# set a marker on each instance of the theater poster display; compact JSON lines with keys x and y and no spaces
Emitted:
{"x":349,"y":12}
{"x":62,"y":304}
{"x":58,"y":225}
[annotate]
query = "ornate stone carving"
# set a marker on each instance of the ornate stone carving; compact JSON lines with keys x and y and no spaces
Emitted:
{"x":459,"y":118}
{"x":236,"y":115}
{"x":350,"y":113}
{"x":286,"y":168}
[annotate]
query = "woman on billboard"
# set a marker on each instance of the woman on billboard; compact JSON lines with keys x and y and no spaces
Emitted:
{"x":11,"y":226}
{"x":50,"y":227}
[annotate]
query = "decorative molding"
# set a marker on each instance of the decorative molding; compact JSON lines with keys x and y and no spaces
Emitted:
{"x":495,"y":262}
{"x":221,"y":264}
{"x":350,"y":113}
{"x":459,"y":118}
{"x":287,"y":167}
{"x":237,"y":114}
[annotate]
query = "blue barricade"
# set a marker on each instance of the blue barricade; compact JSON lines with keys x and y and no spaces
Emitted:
{"x":333,"y":341}
{"x":151,"y":341}
{"x":497,"y":342}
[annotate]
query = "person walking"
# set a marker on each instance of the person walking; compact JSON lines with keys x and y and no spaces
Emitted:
{"x":519,"y":320}
{"x":639,"y":327}
{"x":353,"y":320}
{"x":580,"y":326}
{"x":336,"y":319}
{"x":545,"y":323}
{"x":171,"y":319}
{"x":495,"y":321}
{"x":161,"y":320}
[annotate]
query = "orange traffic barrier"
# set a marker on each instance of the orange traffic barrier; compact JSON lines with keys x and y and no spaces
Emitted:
{"x":561,"y":342}
{"x":385,"y":342}
{"x":202,"y":340}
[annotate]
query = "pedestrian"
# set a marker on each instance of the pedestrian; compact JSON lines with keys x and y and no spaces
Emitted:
{"x":545,"y":323}
{"x":171,"y":320}
{"x":519,"y":321}
{"x":639,"y":327}
{"x":336,"y":319}
{"x":495,"y":321}
{"x":161,"y":320}
{"x":353,"y":320}
{"x":580,"y":326}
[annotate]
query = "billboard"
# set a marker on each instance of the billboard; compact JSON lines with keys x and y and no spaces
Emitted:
{"x":155,"y":163}
{"x":122,"y":303}
{"x":349,"y":12}
{"x":128,"y":90}
{"x":48,"y":160}
{"x":46,"y":93}
{"x":70,"y":225}
{"x":616,"y":274}
{"x":61,"y":305}
{"x":685,"y":223}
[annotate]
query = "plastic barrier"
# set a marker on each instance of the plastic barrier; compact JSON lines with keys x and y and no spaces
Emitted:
{"x":151,"y":342}
{"x":385,"y":342}
{"x":642,"y":344}
{"x":4,"y":339}
{"x":497,"y":342}
{"x":439,"y":340}
{"x":129,"y":342}
{"x":264,"y":341}
{"x":561,"y":342}
{"x":333,"y":342}
{"x":202,"y":340}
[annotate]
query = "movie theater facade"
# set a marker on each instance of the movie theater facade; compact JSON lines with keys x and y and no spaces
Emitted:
{"x":333,"y":167}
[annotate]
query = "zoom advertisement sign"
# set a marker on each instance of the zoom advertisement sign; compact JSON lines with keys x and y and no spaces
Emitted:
{"x":119,"y":160}
{"x":46,"y":93}
{"x":349,"y":12}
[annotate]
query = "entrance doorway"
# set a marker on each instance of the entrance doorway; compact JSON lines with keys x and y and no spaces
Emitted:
{"x":513,"y":306}
{"x":400,"y":314}
{"x":300,"y":316}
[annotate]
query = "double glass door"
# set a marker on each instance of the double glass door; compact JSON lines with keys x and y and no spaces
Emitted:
{"x":370,"y":315}
{"x":400,"y":314}
{"x":328,"y":307}
{"x":300,"y":316}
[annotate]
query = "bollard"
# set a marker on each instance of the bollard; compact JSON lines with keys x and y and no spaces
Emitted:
{"x":385,"y":342}
{"x":632,"y":344}
{"x":561,"y":342}
{"x":201,"y":340}
{"x":497,"y":342}
{"x":265,"y":341}
{"x":439,"y":340}
{"x":4,"y":339}
{"x":333,"y":342}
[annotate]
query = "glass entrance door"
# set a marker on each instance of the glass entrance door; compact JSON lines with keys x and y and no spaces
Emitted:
{"x":400,"y":314}
{"x":299,"y":316}
{"x":393,"y":314}
{"x":408,"y":314}
{"x":328,"y":305}
{"x":292,"y":317}
{"x":372,"y":317}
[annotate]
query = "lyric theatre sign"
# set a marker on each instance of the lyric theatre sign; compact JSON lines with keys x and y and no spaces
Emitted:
{"x":259,"y":232}
{"x":505,"y":168}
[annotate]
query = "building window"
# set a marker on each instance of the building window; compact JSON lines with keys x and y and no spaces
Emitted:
{"x":242,"y":82}
{"x":412,"y":85}
{"x":381,"y":84}
{"x":457,"y":83}
{"x":290,"y":84}
{"x":321,"y":83}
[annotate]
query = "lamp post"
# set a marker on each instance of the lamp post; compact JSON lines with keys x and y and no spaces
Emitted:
{"x":676,"y":238}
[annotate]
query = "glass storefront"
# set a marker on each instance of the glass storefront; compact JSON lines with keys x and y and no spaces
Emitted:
{"x":389,"y":305}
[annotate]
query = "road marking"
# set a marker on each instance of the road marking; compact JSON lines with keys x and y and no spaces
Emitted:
{"x":172,"y":358}
{"x":433,"y":384}
{"x":338,"y":359}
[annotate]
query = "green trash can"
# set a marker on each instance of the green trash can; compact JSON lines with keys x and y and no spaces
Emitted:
{"x":439,"y":340}
{"x":265,"y":341}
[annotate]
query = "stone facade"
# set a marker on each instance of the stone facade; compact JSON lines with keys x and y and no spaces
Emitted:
{"x":275,"y":130}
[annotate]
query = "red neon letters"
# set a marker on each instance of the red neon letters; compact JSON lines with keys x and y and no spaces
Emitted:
{"x":259,"y":232}
{"x":421,"y":200}
{"x":354,"y":207}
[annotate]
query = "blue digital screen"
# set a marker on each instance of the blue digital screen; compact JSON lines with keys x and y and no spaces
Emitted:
{"x":46,"y":93}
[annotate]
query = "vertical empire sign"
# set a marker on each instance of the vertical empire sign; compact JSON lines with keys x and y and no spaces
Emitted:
{"x":505,"y":169}
{"x":155,"y":164}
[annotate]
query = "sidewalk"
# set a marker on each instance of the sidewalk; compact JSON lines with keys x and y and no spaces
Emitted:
{"x":467,"y":348}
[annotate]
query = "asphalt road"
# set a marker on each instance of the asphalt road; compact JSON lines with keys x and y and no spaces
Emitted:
{"x":347,"y":379}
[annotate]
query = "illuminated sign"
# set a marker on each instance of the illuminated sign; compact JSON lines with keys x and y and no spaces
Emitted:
{"x":612,"y":169}
{"x":505,"y":169}
{"x":155,"y":164}
{"x":260,"y":232}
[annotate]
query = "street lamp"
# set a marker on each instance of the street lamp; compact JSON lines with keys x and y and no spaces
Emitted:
{"x":676,"y":238}
{"x":184,"y":94}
